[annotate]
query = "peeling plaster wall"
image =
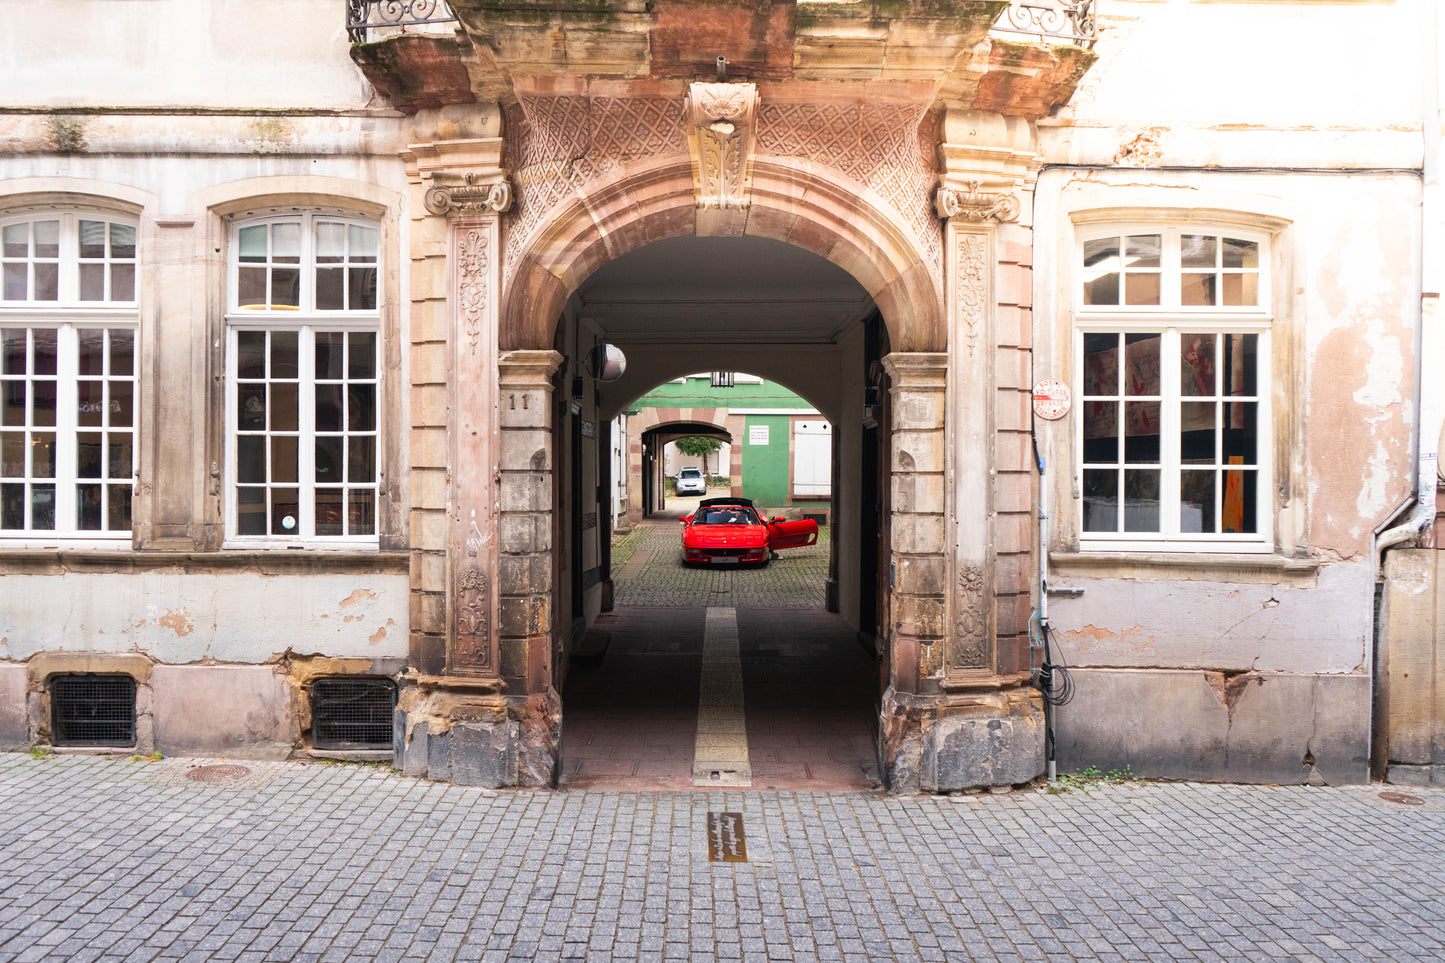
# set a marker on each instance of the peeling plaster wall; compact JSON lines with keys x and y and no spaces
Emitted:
{"x":185,"y":618}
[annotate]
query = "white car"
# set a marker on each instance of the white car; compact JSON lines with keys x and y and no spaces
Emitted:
{"x":690,"y":481}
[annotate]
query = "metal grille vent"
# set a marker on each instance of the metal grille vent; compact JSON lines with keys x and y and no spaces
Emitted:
{"x":93,"y":710}
{"x":352,"y":713}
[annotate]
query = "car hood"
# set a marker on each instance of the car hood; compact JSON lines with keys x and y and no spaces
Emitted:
{"x":725,"y":536}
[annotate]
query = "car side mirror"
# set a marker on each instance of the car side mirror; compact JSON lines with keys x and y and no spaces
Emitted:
{"x":685,"y":519}
{"x":775,"y":519}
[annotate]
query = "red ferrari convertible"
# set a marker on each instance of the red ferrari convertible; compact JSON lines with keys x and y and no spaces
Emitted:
{"x":728,"y":531}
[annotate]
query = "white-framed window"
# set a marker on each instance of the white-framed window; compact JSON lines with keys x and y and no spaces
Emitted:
{"x":303,"y":381}
{"x":68,"y":321}
{"x":1172,"y":348}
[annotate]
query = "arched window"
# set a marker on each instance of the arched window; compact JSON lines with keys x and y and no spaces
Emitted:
{"x":68,"y":356}
{"x":1173,"y":366}
{"x":303,"y":380}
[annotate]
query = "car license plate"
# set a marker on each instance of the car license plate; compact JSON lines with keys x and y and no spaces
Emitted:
{"x":724,"y":560}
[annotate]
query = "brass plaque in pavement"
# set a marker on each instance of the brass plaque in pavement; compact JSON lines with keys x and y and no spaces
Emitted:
{"x":726,"y":842}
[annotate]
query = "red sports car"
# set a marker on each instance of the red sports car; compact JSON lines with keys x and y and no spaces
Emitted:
{"x":728,"y":531}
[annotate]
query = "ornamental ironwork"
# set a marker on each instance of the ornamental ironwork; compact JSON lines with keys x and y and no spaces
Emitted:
{"x":1071,"y":20}
{"x":363,"y":16}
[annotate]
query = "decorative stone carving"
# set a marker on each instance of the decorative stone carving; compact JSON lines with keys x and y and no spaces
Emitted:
{"x":721,"y":119}
{"x":472,"y":289}
{"x":974,"y":204}
{"x":971,"y":286}
{"x":474,"y":607}
{"x":970,"y":624}
{"x":468,"y":198}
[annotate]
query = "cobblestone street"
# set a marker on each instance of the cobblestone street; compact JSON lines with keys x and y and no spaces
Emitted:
{"x":107,"y":858}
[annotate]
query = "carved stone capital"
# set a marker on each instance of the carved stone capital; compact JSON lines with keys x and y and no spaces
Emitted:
{"x":492,"y":196}
{"x":971,"y":203}
{"x":721,"y":123}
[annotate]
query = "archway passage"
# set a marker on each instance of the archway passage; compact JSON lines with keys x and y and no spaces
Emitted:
{"x":727,"y":676}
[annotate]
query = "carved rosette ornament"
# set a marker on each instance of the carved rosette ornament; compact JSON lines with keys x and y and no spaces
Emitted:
{"x":474,"y":607}
{"x":468,"y":199}
{"x":970,"y":623}
{"x":974,"y":204}
{"x":721,"y":122}
{"x":471,"y":271}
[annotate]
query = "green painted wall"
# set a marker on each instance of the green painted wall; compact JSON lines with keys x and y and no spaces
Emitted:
{"x":765,"y":467}
{"x":699,"y":393}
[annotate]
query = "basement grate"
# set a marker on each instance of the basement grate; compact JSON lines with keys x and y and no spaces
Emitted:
{"x":92,"y":710}
{"x":352,"y":713}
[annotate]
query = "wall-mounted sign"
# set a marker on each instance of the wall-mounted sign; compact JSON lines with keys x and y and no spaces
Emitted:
{"x":1051,"y":399}
{"x":757,"y":434}
{"x":589,"y":429}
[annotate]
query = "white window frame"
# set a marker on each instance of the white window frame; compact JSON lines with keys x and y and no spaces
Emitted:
{"x":1171,"y":319}
{"x":306,"y":321}
{"x":67,"y":314}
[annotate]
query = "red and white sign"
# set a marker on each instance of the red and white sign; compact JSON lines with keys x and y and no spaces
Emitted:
{"x":1051,"y":399}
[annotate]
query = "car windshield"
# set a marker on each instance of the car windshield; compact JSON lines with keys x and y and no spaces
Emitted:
{"x":691,"y":472}
{"x":729,"y":515}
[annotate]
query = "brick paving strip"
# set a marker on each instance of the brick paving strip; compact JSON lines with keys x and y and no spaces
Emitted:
{"x":721,"y":755}
{"x":109,"y":859}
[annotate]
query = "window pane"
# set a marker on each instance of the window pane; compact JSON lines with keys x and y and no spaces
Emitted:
{"x":1198,"y":250}
{"x":363,"y":243}
{"x":122,"y":353}
{"x":285,"y":512}
{"x":330,"y":355}
{"x":1241,"y":362}
{"x":1196,"y":290}
{"x":361,"y":466}
{"x":13,"y":351}
{"x":362,"y":512}
{"x":42,"y":454}
{"x":1241,"y":290}
{"x":1141,"y":500}
{"x":284,"y":354}
{"x":329,"y":461}
{"x":330,"y":242}
{"x":1101,"y":500}
{"x":1240,"y":254}
{"x":45,"y":351}
{"x":361,"y":410}
{"x":328,"y":408}
{"x":42,"y":404}
{"x":92,"y":282}
{"x":330,"y":512}
{"x":122,"y":241}
{"x":121,"y":455}
{"x":1101,"y":430}
{"x":1241,"y":502}
{"x":1196,"y":501}
{"x":1196,"y":433}
{"x":250,"y":511}
{"x":251,"y":459}
{"x":251,"y":354}
{"x":16,"y":241}
{"x":251,"y":407}
{"x":122,"y":282}
{"x":1101,"y":271}
{"x":1141,"y":251}
{"x":89,"y":455}
{"x":251,"y":288}
{"x":17,"y":277}
{"x":1141,"y":375}
{"x":12,"y":454}
{"x":91,"y":356}
{"x":329,"y":293}
{"x":283,"y":459}
{"x":361,"y":361}
{"x":13,"y":410}
{"x":119,"y":508}
{"x":284,"y":406}
{"x":121,"y":410}
{"x":92,"y":239}
{"x":1241,"y":432}
{"x":361,"y":289}
{"x":1141,"y":289}
{"x":47,"y":239}
{"x":1141,"y":432}
{"x":47,"y":281}
{"x":286,"y":243}
{"x":285,"y":288}
{"x":88,"y":507}
{"x":252,"y":243}
{"x":1196,"y":375}
{"x":12,"y":506}
{"x":42,"y":507}
{"x":90,"y":407}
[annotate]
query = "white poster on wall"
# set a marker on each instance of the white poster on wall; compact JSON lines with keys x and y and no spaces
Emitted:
{"x":757,"y":434}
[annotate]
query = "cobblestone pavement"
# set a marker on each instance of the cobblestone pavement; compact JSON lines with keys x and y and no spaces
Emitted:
{"x":796,"y":578}
{"x":104,"y":858}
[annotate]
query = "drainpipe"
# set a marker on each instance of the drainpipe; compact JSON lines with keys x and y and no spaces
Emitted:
{"x":1429,"y":339}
